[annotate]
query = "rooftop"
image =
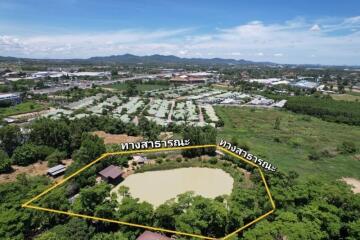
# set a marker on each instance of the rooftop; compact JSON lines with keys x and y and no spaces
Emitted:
{"x":111,"y":171}
{"x":147,"y":235}
{"x":56,"y":170}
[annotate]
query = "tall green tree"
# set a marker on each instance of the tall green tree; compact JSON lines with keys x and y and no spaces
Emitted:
{"x":53,"y":133}
{"x":10,"y":138}
{"x":5,"y":162}
{"x":91,"y":148}
{"x":200,"y":136}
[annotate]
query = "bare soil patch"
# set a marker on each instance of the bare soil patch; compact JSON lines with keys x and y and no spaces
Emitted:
{"x":36,"y":169}
{"x":355,"y":184}
{"x":116,"y":138}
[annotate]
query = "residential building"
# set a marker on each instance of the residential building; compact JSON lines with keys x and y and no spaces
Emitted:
{"x":112,"y":174}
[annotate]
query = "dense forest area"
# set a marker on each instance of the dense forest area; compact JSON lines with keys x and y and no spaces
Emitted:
{"x":326,"y":109}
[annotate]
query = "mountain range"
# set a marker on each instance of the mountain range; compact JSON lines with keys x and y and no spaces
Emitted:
{"x":133,"y":59}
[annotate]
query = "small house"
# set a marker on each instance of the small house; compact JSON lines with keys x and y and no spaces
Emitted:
{"x":147,"y":235}
{"x":140,"y":159}
{"x":56,"y":171}
{"x":111,"y":174}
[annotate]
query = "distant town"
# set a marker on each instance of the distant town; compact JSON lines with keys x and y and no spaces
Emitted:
{"x":175,"y":95}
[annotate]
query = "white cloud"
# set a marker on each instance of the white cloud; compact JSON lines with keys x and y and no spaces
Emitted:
{"x":352,"y":20}
{"x":315,"y":28}
{"x":288,"y":42}
{"x":183,"y":52}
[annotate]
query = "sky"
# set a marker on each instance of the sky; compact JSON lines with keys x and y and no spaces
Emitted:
{"x":281,"y":31}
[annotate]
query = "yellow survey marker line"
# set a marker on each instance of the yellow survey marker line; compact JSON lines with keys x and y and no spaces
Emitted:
{"x":66,"y":179}
{"x":27,"y":204}
{"x":267,"y":189}
{"x":116,"y":221}
{"x":248,"y":225}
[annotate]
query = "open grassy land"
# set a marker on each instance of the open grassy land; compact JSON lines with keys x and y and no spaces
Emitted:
{"x":140,"y":87}
{"x":24,"y":107}
{"x":298,"y":138}
{"x":346,"y":97}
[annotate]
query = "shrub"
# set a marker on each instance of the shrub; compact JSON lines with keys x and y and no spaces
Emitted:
{"x":347,"y":147}
{"x":213,"y":160}
{"x":178,"y":160}
{"x":5,"y":162}
{"x":244,"y":146}
{"x":295,"y":142}
{"x":313,"y":156}
{"x":55,"y":158}
{"x":234,"y":141}
{"x":219,"y":123}
{"x":30,"y":153}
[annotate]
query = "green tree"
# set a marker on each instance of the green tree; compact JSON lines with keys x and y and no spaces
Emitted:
{"x":30,"y":153}
{"x":277,"y":123}
{"x":91,"y":197}
{"x":110,"y":236}
{"x":10,"y":138}
{"x":5,"y":162}
{"x":124,"y":191}
{"x":131,"y":89}
{"x":354,"y":230}
{"x":91,"y":148}
{"x":200,"y":136}
{"x":55,"y":158}
{"x":130,"y":210}
{"x":75,"y":229}
{"x":53,"y":133}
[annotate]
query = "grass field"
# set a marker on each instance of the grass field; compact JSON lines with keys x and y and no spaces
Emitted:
{"x":298,"y":137}
{"x":24,"y":107}
{"x":140,"y":87}
{"x":346,"y":97}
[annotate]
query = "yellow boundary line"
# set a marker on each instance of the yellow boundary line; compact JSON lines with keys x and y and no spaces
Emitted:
{"x":27,"y":204}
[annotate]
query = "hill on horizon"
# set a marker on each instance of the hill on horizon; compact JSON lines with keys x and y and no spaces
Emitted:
{"x":150,"y":59}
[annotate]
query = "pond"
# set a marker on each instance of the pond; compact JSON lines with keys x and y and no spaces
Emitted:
{"x":156,"y":187}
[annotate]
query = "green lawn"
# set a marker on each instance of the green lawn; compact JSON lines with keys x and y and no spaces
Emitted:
{"x":24,"y":107}
{"x":289,"y":147}
{"x":140,"y":87}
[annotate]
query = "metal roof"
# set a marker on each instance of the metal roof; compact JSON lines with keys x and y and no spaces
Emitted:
{"x":57,"y":169}
{"x":111,"y":172}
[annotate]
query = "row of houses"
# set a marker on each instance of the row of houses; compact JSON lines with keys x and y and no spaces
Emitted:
{"x":192,"y":78}
{"x":13,"y":98}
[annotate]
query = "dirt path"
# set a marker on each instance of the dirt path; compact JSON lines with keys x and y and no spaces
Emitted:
{"x":36,"y":169}
{"x":171,"y":110}
{"x":354,"y":183}
{"x":201,"y":116}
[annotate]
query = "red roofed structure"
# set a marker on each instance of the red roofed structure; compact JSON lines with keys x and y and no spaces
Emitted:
{"x":147,"y":235}
{"x":111,"y":174}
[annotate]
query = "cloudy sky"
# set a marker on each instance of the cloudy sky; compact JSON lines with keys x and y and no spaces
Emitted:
{"x":325,"y":32}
